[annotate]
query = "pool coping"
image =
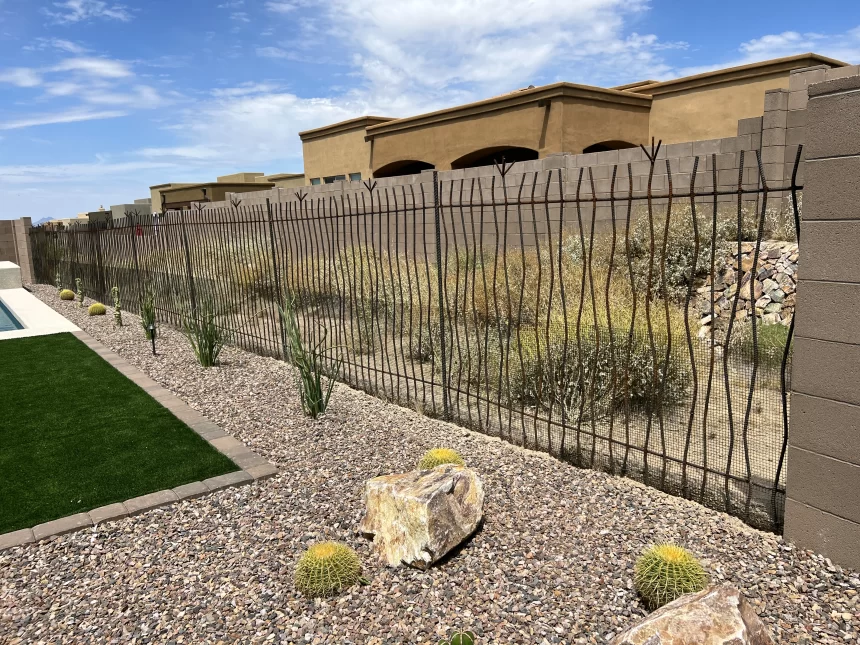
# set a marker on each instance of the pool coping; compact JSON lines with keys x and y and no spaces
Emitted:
{"x":37,"y":318}
{"x":252,"y":467}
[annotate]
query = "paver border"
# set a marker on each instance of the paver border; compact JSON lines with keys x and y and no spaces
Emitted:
{"x":252,"y":467}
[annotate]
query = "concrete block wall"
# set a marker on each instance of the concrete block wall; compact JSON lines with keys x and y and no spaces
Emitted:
{"x":823,"y":486}
{"x":15,"y":245}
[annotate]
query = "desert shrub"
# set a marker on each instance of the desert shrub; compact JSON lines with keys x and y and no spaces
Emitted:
{"x":202,"y":331}
{"x":67,"y":294}
{"x":596,"y":372}
{"x":438,"y":456}
{"x":97,"y":309}
{"x":771,"y":341}
{"x":311,"y":363}
{"x":665,"y":572}
{"x":680,"y":251}
{"x":147,"y":313}
{"x":326,"y":569}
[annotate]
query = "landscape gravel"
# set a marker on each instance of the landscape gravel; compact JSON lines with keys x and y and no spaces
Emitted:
{"x":553,"y":562}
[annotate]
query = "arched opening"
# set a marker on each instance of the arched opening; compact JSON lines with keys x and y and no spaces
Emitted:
{"x":489,"y":156}
{"x":604,"y":146}
{"x":400,"y":168}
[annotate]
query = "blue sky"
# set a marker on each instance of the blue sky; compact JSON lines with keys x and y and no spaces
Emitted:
{"x":99,"y":100}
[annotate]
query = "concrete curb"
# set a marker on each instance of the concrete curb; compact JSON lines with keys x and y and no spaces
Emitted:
{"x":252,"y":466}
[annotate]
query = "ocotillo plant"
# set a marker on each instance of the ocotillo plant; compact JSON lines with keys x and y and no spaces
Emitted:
{"x":310,"y":362}
{"x":80,"y":292}
{"x":117,"y":307}
{"x":147,"y":313}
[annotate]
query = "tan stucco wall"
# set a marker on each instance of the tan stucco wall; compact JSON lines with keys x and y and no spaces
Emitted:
{"x":590,"y":122}
{"x":337,"y":154}
{"x":239,"y":176}
{"x":710,"y":112}
{"x":155,"y":195}
{"x":441,"y":143}
{"x":290,"y":182}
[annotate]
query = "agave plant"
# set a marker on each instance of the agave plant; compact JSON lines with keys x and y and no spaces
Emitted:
{"x":207,"y":338}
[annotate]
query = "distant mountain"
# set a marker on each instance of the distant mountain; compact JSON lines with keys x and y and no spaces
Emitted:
{"x":42,"y":221}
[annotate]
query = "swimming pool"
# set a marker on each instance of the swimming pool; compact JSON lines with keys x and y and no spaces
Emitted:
{"x":8,"y":322}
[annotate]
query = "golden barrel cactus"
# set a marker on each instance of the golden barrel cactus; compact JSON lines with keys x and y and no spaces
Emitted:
{"x":665,"y":572}
{"x":97,"y":309}
{"x":439,"y":456}
{"x":326,"y":569}
{"x":67,"y":294}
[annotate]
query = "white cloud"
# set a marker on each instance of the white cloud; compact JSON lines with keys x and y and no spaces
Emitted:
{"x":842,"y":46}
{"x":239,"y":16}
{"x":101,"y":67}
{"x":68,"y":116}
{"x":72,"y":11}
{"x":281,"y":7}
{"x":21,"y":77}
{"x":56,"y":43}
{"x":272,"y":52}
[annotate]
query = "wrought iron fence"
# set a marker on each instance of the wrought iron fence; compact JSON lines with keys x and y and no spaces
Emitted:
{"x":555,"y":309}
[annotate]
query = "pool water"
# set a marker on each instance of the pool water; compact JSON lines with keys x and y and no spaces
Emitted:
{"x":8,"y":322}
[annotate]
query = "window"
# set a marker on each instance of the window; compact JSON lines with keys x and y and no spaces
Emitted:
{"x":315,"y":181}
{"x":331,"y":180}
{"x":355,"y":176}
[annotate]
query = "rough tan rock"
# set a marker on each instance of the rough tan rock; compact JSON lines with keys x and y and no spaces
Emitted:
{"x":718,"y":615}
{"x":416,"y":518}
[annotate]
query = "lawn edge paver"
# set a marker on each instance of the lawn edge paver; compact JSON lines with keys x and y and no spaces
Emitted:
{"x":252,"y":467}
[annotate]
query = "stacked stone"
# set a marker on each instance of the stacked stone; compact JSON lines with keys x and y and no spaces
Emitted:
{"x":773,"y":287}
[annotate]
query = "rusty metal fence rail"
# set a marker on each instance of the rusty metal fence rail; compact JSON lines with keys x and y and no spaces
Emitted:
{"x":567,"y":312}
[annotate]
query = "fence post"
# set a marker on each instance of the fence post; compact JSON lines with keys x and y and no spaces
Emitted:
{"x":823,"y":488}
{"x":278,"y":294}
{"x":134,"y":225}
{"x":188,"y":271}
{"x":437,"y":209}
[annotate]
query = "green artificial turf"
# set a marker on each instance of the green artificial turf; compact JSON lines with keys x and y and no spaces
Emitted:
{"x":75,"y":434}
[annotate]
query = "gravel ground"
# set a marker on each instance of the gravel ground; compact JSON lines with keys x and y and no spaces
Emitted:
{"x":553,"y":563}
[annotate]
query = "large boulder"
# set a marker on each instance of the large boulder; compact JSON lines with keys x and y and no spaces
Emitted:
{"x":718,"y":615}
{"x":416,"y":518}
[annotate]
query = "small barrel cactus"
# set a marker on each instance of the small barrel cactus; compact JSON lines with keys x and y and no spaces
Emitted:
{"x":97,"y":309}
{"x":67,"y":294}
{"x":326,"y":569}
{"x":665,"y":572}
{"x":439,"y":456}
{"x":460,"y":637}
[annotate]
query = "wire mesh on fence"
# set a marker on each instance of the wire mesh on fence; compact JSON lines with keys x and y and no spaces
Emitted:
{"x":586,"y":317}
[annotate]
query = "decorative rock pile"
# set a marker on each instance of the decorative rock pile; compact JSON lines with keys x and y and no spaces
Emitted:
{"x":771,"y":295}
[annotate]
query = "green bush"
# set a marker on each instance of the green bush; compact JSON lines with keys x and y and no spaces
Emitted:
{"x":97,"y":309}
{"x":771,"y":341}
{"x":665,"y":572}
{"x":206,"y":337}
{"x":67,"y":294}
{"x":598,"y":373}
{"x":680,"y":253}
{"x":326,"y":569}
{"x":311,"y":363}
{"x":438,"y":456}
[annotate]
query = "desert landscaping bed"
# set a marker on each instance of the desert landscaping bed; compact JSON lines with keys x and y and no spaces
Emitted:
{"x":553,"y":562}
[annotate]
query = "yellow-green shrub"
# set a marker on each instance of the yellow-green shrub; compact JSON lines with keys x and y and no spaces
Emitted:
{"x":67,"y":294}
{"x":97,"y":309}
